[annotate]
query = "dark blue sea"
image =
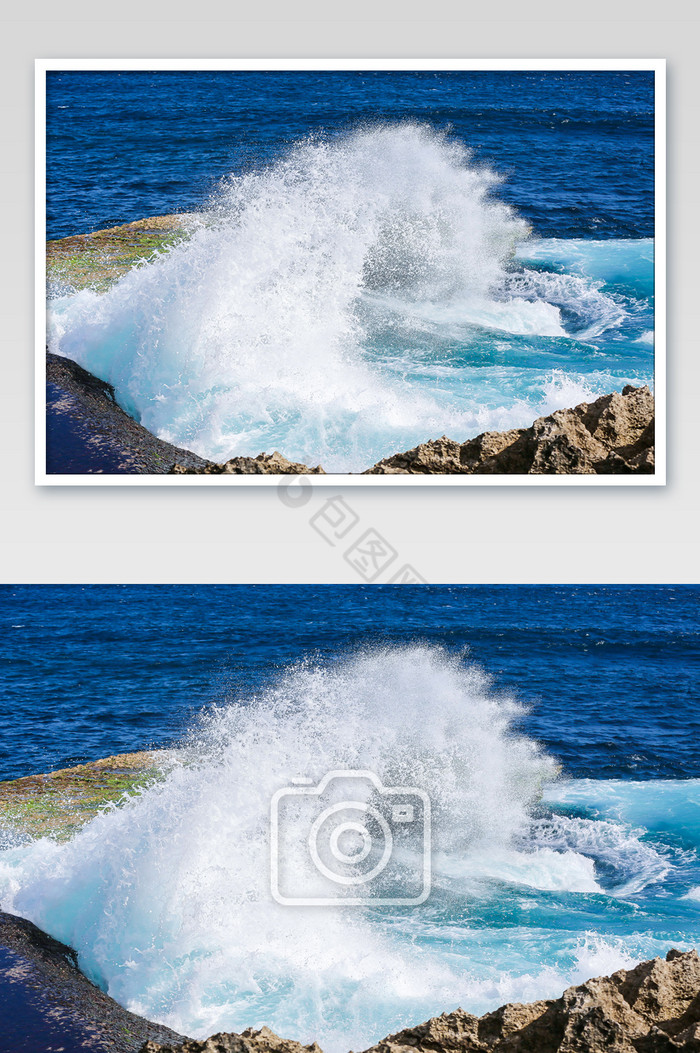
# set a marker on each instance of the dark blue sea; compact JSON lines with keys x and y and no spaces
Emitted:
{"x":609,"y":673}
{"x":371,"y":258}
{"x":576,"y":148}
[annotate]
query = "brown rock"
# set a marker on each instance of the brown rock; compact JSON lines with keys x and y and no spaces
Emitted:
{"x":652,"y":1008}
{"x":612,"y":436}
{"x":264,"y":464}
{"x":250,"y":1041}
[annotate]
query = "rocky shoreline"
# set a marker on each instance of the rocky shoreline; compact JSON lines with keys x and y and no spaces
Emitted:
{"x":612,"y":436}
{"x":57,"y":803}
{"x":47,"y":1004}
{"x":652,"y":1008}
{"x":88,"y":433}
{"x":100,"y":258}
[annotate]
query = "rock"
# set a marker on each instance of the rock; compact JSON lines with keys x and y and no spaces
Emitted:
{"x":87,"y":433}
{"x":653,"y":1008}
{"x":46,"y":1003}
{"x":263,"y":464}
{"x":250,"y":1041}
{"x":57,"y":803}
{"x":98,"y":259}
{"x":612,"y":436}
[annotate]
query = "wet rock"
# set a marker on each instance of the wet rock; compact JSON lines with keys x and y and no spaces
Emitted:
{"x":612,"y":436}
{"x":98,"y":259}
{"x":57,"y":803}
{"x":88,"y":433}
{"x":47,"y":1004}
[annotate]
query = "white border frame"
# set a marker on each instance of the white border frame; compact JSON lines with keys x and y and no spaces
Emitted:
{"x":657,"y":66}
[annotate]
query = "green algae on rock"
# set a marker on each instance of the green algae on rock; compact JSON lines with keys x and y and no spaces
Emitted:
{"x":98,"y":259}
{"x":57,"y":803}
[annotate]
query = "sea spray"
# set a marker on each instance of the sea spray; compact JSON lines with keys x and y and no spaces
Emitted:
{"x":168,"y":900}
{"x":357,"y":296}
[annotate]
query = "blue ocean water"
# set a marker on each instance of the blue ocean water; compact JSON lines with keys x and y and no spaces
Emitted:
{"x":576,"y":147}
{"x":90,"y":670}
{"x":375,"y":257}
{"x":553,"y":729}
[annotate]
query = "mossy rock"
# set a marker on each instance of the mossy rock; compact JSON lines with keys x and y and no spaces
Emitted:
{"x":98,"y":259}
{"x":56,"y":804}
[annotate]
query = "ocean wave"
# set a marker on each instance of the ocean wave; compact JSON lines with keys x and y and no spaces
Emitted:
{"x":646,"y":338}
{"x":168,"y":901}
{"x":280,"y":321}
{"x":584,"y":309}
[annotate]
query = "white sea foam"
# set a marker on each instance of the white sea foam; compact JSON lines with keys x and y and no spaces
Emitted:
{"x":630,"y":863}
{"x":646,"y":338}
{"x":539,"y":868}
{"x":279,"y":322}
{"x":588,"y":310}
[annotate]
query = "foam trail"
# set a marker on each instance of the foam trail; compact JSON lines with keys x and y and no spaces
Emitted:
{"x":294,"y":315}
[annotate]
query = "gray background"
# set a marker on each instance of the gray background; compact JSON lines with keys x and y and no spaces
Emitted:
{"x":476,"y":534}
